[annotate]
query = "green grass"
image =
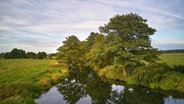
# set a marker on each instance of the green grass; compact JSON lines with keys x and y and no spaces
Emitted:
{"x":21,"y":80}
{"x":173,"y":58}
{"x":14,"y":70}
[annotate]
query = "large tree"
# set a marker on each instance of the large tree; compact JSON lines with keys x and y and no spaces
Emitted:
{"x":130,"y":42}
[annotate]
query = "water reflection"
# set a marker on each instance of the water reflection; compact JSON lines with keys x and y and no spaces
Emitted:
{"x":51,"y":97}
{"x":86,"y":87}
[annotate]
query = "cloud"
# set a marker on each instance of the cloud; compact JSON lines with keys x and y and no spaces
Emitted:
{"x":160,"y":14}
{"x":168,"y":46}
{"x":47,"y":23}
{"x":168,"y":43}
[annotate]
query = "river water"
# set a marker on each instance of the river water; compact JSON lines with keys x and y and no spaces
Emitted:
{"x":85,"y":87}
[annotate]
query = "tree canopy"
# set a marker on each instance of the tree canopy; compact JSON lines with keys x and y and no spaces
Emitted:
{"x":128,"y":40}
{"x":124,"y":41}
{"x":71,"y":53}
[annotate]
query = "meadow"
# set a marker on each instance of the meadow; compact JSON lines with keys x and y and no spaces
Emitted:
{"x":173,"y":58}
{"x":21,"y":80}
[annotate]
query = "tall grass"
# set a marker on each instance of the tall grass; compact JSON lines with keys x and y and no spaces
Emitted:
{"x":21,"y":80}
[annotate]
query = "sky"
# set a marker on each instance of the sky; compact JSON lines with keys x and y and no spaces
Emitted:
{"x":42,"y":25}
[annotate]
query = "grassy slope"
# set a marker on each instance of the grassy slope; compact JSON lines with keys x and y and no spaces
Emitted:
{"x":23,"y":79}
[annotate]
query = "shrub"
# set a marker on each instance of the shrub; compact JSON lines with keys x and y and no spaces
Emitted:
{"x":19,"y":93}
{"x":56,"y":77}
{"x":64,"y":72}
{"x":148,"y":75}
{"x":173,"y":81}
{"x":11,"y":89}
{"x":178,"y":68}
{"x":112,"y":72}
{"x":168,"y":84}
{"x":180,"y":86}
{"x":45,"y":82}
{"x":18,"y":99}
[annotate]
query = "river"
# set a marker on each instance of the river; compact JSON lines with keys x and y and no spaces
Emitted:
{"x":85,"y":87}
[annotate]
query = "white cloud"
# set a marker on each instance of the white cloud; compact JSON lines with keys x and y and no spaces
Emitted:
{"x":167,"y":43}
{"x":6,"y":28}
{"x":11,"y":21}
{"x":48,"y":20}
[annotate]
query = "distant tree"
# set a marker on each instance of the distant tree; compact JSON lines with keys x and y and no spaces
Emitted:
{"x":18,"y":53}
{"x":1,"y":55}
{"x":8,"y":55}
{"x":52,"y":55}
{"x":41,"y":55}
{"x":173,"y":51}
{"x":30,"y":55}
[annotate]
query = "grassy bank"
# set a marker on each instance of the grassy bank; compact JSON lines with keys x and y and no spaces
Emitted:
{"x":167,"y":76}
{"x":21,"y":80}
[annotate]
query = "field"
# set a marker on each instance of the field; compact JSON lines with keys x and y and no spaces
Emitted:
{"x":21,"y":80}
{"x":173,"y":58}
{"x":16,"y":70}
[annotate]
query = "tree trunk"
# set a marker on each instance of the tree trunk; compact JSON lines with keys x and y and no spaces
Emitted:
{"x":124,"y":71}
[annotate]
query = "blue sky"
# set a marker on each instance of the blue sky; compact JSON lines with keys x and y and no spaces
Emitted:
{"x":42,"y":25}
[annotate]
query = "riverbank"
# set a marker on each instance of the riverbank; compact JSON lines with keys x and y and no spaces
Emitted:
{"x":22,"y":80}
{"x":166,"y":76}
{"x":86,"y":87}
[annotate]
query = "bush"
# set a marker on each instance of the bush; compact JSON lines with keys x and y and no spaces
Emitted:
{"x":19,"y":93}
{"x":178,"y":68}
{"x":168,"y":84}
{"x":56,"y":77}
{"x":112,"y":72}
{"x":147,"y":75}
{"x":180,"y":86}
{"x":17,"y":99}
{"x":45,"y":82}
{"x":173,"y":81}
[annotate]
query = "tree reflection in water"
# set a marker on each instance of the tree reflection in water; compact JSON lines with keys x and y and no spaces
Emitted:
{"x":86,"y":83}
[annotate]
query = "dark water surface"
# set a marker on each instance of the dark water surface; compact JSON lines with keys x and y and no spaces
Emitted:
{"x":86,"y":87}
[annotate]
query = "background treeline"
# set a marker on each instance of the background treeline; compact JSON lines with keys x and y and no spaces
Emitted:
{"x":19,"y":53}
{"x":173,"y":51}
